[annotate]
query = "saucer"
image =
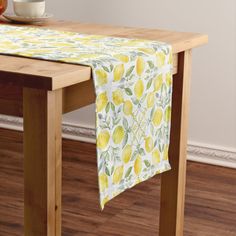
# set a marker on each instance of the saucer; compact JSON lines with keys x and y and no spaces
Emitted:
{"x":21,"y":19}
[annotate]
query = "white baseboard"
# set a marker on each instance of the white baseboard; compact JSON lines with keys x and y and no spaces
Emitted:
{"x":214,"y":155}
{"x":69,"y":130}
{"x":203,"y":153}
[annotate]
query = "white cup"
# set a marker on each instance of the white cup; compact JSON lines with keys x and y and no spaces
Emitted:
{"x":29,"y":8}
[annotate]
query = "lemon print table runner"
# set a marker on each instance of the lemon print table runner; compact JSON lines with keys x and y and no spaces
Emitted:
{"x":133,"y":86}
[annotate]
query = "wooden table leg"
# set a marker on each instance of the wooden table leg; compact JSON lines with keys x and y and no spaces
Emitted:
{"x":173,"y":182}
{"x":42,"y":162}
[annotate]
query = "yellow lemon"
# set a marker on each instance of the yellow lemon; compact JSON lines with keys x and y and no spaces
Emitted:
{"x":170,"y":59}
{"x":168,"y":79}
{"x":150,"y":51}
{"x":149,"y":144}
{"x":157,"y":117}
{"x":118,"y":134}
{"x":167,"y":114}
{"x":103,"y":139}
{"x":128,"y":108}
{"x":138,"y":180}
{"x":81,"y":57}
{"x":117,"y":97}
{"x":104,"y":201}
{"x":140,"y":65}
{"x":138,"y":165}
{"x":62,"y":44}
{"x":122,"y":57}
{"x":92,"y":37}
{"x":161,"y":59}
{"x":103,"y":182}
{"x":165,"y":153}
{"x":118,"y":174}
{"x":126,"y":154}
{"x":150,"y":100}
{"x":138,"y":89}
{"x":101,"y":101}
{"x":9,"y":44}
{"x":158,"y":83}
{"x":156,"y":156}
{"x":119,"y":72}
{"x":101,"y":76}
{"x":114,"y":194}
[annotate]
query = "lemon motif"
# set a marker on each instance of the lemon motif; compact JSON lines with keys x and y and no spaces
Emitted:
{"x":101,"y":101}
{"x":156,"y":156}
{"x":117,"y":97}
{"x":138,"y":165}
{"x":168,"y":79}
{"x":121,"y":57}
{"x":68,"y":49}
{"x":158,"y":83}
{"x":150,"y":51}
{"x":101,"y":76}
{"x":9,"y":45}
{"x":118,"y":174}
{"x":126,"y":154}
{"x":138,"y":89}
{"x":150,"y":100}
{"x":119,"y":72}
{"x":138,"y":180}
{"x":167,"y":114}
{"x":89,"y":55}
{"x":68,"y":59}
{"x":161,"y":59}
{"x":128,"y":108}
{"x":170,"y":61}
{"x":103,"y":182}
{"x":140,"y":65}
{"x":104,"y":201}
{"x":32,"y":52}
{"x":103,"y":139}
{"x":165,"y":152}
{"x":79,"y":57}
{"x":157,"y":117}
{"x":62,"y":44}
{"x":115,"y":193}
{"x":118,"y":134}
{"x":149,"y":144}
{"x":93,"y":37}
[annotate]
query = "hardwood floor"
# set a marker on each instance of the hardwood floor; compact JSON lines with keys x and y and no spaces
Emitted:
{"x":210,"y":200}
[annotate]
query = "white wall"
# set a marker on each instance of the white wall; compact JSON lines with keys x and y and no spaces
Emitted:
{"x":213,"y":90}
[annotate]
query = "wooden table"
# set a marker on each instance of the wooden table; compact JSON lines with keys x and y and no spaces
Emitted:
{"x":41,"y":91}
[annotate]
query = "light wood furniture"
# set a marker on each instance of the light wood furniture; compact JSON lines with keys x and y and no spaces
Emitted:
{"x":41,"y":91}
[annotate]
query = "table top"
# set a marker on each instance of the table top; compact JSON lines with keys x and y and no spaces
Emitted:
{"x":54,"y":75}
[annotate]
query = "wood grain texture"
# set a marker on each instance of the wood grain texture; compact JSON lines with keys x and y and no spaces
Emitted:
{"x":74,"y":96}
{"x":41,"y":74}
{"x":172,"y":198}
{"x":210,"y":197}
{"x":79,"y":95}
{"x":42,"y":162}
{"x":53,"y":75}
{"x":11,"y":99}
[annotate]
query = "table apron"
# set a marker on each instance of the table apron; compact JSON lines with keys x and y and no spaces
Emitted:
{"x":74,"y":96}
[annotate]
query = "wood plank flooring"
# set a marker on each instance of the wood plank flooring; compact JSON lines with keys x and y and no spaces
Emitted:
{"x":210,"y":200}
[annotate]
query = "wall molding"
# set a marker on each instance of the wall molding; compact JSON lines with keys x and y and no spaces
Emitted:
{"x":212,"y":155}
{"x":198,"y":152}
